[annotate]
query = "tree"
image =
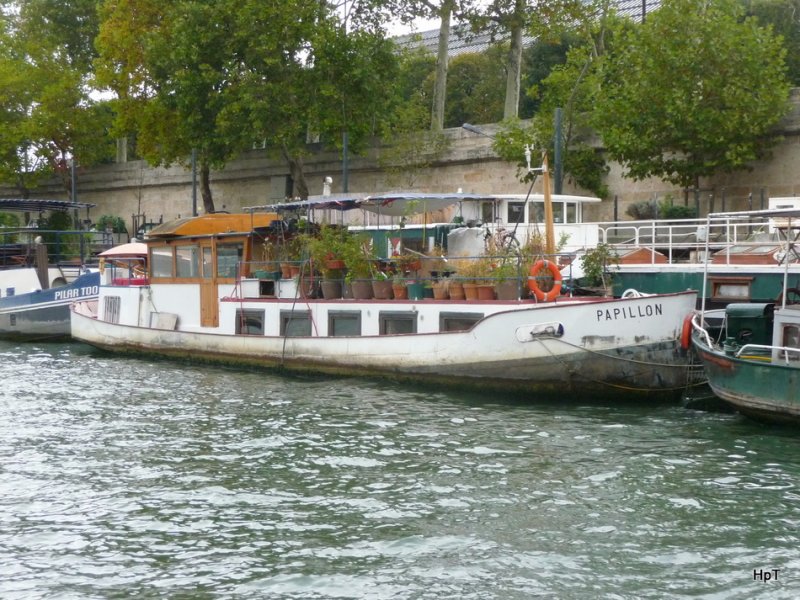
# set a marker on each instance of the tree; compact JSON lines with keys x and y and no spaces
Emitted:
{"x":173,"y":85}
{"x":691,"y":92}
{"x":475,"y":91}
{"x":511,"y":20}
{"x":216,"y":77}
{"x":47,"y":112}
{"x":411,"y":146}
{"x":784,"y":17}
{"x":572,"y":87}
{"x":538,"y":60}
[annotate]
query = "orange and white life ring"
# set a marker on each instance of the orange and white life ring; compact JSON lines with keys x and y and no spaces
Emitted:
{"x":686,"y":332}
{"x":533,"y":282}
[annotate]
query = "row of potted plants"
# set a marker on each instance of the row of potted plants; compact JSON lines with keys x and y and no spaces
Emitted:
{"x":344,"y":262}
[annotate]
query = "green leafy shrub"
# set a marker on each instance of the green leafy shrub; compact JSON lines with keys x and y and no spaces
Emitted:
{"x":116,"y":224}
{"x":596,"y":263}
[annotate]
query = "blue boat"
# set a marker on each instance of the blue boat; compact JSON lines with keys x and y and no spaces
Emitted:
{"x":44,"y":313}
{"x":42,"y":273}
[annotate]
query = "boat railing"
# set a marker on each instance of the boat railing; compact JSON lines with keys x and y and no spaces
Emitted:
{"x":764,"y":352}
{"x":18,"y":245}
{"x":685,"y":240}
{"x":698,"y":327}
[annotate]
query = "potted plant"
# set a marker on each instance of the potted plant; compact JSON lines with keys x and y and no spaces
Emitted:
{"x":506,"y":279}
{"x":399,"y":286}
{"x":358,"y":259}
{"x":596,"y":265}
{"x":325,"y":248}
{"x":475,"y":273}
{"x":381,"y":285}
{"x":415,"y":289}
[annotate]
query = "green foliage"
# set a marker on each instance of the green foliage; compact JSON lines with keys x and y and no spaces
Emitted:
{"x":538,"y":61}
{"x":116,"y":224}
{"x":595,"y":263}
{"x":47,"y":115}
{"x":475,"y":88}
{"x":359,"y":257}
{"x":782,"y":16}
{"x":9,"y":220}
{"x":510,"y":143}
{"x":693,"y":91}
{"x":214,"y":77}
{"x":57,"y":221}
{"x":587,"y":168}
{"x":329,"y":243}
{"x":647,"y":209}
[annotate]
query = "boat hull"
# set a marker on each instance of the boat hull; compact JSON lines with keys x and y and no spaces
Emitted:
{"x":763,"y":390}
{"x":45,"y":314}
{"x":581,"y":350}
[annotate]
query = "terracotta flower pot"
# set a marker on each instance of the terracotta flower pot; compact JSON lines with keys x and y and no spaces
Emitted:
{"x":470,"y":291}
{"x":382,"y":289}
{"x":400,"y":292}
{"x":485,"y":292}
{"x":362,"y":289}
{"x":456,"y":290}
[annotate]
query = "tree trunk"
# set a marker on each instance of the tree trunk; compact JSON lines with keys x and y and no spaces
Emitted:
{"x":511,"y":108}
{"x":297,"y":173}
{"x":440,"y":83}
{"x":205,"y":187}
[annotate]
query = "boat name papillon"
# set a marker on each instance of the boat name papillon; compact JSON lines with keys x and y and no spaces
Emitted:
{"x":630,"y":312}
{"x":90,"y":290}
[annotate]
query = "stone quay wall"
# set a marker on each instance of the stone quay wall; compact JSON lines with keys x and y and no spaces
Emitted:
{"x":469,"y":165}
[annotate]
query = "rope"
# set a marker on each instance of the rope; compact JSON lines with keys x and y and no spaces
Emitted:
{"x":294,"y":304}
{"x":573,"y":373}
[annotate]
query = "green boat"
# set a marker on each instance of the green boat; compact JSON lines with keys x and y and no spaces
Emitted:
{"x":755,"y":364}
{"x":751,"y":351}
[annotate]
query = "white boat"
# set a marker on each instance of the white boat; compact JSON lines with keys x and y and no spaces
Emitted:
{"x":205,"y":298}
{"x":36,"y":288}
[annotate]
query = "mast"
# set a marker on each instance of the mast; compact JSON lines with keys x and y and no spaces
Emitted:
{"x":549,"y":229}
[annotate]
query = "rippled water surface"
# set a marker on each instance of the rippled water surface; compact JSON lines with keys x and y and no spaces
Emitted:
{"x":134,"y":478}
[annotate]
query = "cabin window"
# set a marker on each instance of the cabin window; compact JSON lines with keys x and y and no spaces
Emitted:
{"x":161,"y":261}
{"x":516,"y":212}
{"x":250,"y":322}
{"x":487,"y":212}
{"x":458,"y":321}
{"x":536,"y":213}
{"x":558,"y":212}
{"x":187,"y":261}
{"x":731,"y":287}
{"x":208,"y":263}
{"x":392,"y":323}
{"x":344,"y":323}
{"x":228,"y":258}
{"x":111,"y":309}
{"x":295,"y":323}
{"x":791,"y":339}
{"x":572,"y":213}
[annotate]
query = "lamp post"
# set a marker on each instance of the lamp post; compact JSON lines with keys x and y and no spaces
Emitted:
{"x":194,"y":182}
{"x":73,"y":189}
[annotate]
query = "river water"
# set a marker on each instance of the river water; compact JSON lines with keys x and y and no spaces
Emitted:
{"x":124,"y":478}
